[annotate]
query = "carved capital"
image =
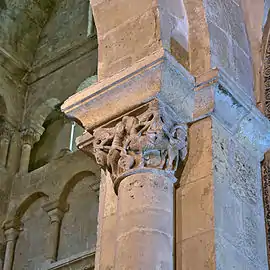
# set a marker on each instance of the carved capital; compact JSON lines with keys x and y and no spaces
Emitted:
{"x":55,"y":211}
{"x":11,"y":229}
{"x":30,"y":136}
{"x":147,"y":138}
{"x":6,"y":130}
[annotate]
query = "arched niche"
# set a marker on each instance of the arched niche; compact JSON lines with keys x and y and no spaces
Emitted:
{"x":79,"y":224}
{"x":53,"y":142}
{"x":31,"y":244}
{"x":57,"y":140}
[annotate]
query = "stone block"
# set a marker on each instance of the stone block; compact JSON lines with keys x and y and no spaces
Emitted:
{"x":197,"y":252}
{"x":197,"y":208}
{"x":244,"y":70}
{"x":228,"y":16}
{"x":112,"y":14}
{"x":204,"y":101}
{"x":108,"y":242}
{"x":199,"y":161}
{"x":121,"y":43}
{"x":221,"y":50}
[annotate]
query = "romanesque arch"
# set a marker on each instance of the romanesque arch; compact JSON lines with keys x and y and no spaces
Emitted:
{"x":78,"y":227}
{"x":23,"y":220}
{"x":26,"y":203}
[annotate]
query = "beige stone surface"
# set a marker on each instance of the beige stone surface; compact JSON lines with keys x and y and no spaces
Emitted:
{"x":145,"y":216}
{"x":197,"y":203}
{"x":199,"y":161}
{"x":197,"y":252}
{"x":144,"y":50}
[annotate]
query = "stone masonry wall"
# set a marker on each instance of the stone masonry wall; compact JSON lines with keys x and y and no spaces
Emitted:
{"x":238,"y":200}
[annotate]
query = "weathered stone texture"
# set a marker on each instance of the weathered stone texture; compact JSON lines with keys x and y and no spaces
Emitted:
{"x":145,"y":50}
{"x":194,"y":202}
{"x":56,"y":37}
{"x":30,"y":252}
{"x":229,"y":42}
{"x":107,"y":224}
{"x":238,"y":200}
{"x":79,"y":225}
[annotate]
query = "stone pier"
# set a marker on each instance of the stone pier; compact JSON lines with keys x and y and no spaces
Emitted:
{"x":155,"y":128}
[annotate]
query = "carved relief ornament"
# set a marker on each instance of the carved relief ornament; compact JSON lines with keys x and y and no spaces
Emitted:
{"x":6,"y":129}
{"x":149,"y":139}
{"x":266,"y":76}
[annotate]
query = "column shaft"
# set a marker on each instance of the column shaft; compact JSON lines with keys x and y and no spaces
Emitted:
{"x":25,"y":158}
{"x":53,"y":241}
{"x":145,"y":222}
{"x":11,"y":236}
{"x":14,"y":155}
{"x":4,"y":144}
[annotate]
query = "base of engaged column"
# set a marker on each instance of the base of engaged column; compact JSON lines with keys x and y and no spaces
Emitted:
{"x":145,"y":221}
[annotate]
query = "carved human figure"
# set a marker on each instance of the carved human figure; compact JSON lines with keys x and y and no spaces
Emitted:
{"x":136,"y":142}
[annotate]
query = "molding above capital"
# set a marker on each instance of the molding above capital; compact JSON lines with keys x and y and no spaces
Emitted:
{"x":160,"y":76}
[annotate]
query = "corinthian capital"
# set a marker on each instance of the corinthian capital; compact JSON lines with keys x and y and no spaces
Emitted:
{"x":147,"y":138}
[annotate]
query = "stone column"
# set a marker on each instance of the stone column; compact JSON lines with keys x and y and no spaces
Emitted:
{"x":14,"y":153}
{"x":11,"y":234}
{"x":141,"y":152}
{"x":145,"y":221}
{"x":5,"y":135}
{"x":56,"y":214}
{"x":219,"y":222}
{"x":29,"y":138}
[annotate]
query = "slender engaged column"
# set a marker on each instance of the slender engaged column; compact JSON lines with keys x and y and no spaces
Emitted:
{"x":141,"y":152}
{"x":4,"y":144}
{"x":29,"y":138}
{"x":11,"y":235}
{"x":25,"y":157}
{"x":5,"y":135}
{"x":56,"y":214}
